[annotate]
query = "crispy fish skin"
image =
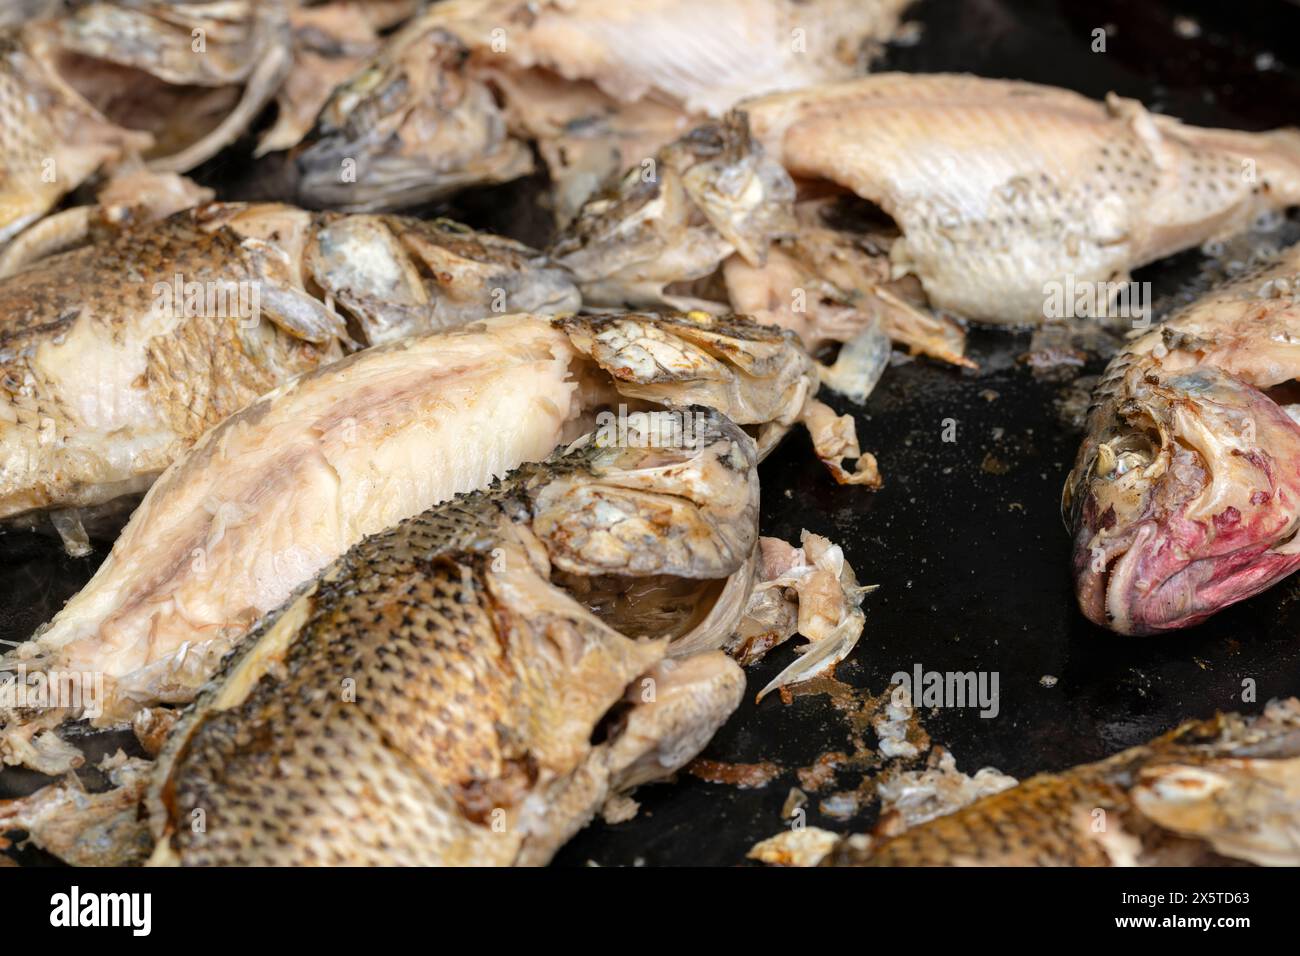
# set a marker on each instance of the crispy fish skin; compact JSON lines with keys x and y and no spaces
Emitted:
{"x":1211,"y":792}
{"x":1185,"y":494}
{"x":598,"y":86}
{"x":434,"y":700}
{"x":115,"y":357}
{"x":51,"y":138}
{"x":1001,"y":187}
{"x":277,"y":491}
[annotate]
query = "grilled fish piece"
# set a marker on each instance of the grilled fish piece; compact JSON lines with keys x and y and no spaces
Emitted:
{"x":191,"y":75}
{"x":435,"y":699}
{"x":1211,"y":792}
{"x":280,"y":489}
{"x":999,"y":188}
{"x":712,"y":223}
{"x":51,"y":138}
{"x":115,"y":357}
{"x":1185,"y":495}
{"x":458,"y":93}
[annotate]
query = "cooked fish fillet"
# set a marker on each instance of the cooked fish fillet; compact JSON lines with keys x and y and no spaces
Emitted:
{"x":434,"y":699}
{"x":115,"y":357}
{"x":277,"y":491}
{"x":458,"y":93}
{"x":1185,"y":496}
{"x":1211,"y":792}
{"x":999,"y":187}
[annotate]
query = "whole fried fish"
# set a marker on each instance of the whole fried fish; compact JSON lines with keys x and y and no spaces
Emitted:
{"x":457,"y":96}
{"x":1212,"y":792}
{"x":277,"y":491}
{"x":999,"y":188}
{"x":435,"y":699}
{"x":1185,"y":495}
{"x":115,"y":357}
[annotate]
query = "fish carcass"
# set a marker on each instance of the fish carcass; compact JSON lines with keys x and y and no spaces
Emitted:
{"x":998,"y":188}
{"x":85,"y":88}
{"x":1211,"y":792}
{"x":115,"y":357}
{"x":277,"y":491}
{"x":459,"y":93}
{"x":712,"y":222}
{"x":1185,"y":495}
{"x":436,"y":698}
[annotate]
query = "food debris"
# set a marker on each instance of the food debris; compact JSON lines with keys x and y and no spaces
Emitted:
{"x":811,"y":591}
{"x":994,"y":465}
{"x":897,"y":728}
{"x":821,"y":773}
{"x":745,"y":776}
{"x":803,"y":846}
{"x":915,"y":796}
{"x":619,"y":809}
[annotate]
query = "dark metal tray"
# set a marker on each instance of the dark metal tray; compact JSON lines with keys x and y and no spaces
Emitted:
{"x":969,"y":550}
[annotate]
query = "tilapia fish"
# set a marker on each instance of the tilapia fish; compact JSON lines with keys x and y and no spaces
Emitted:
{"x":713,"y":222}
{"x":115,"y":357}
{"x":458,"y":95}
{"x":999,"y":188}
{"x":1212,"y":792}
{"x":191,"y":76}
{"x":1185,"y":496}
{"x":280,"y":489}
{"x":435,"y":699}
{"x":85,"y":87}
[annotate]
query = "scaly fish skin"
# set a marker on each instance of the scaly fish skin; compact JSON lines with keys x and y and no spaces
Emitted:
{"x":115,"y":357}
{"x":51,"y":138}
{"x":433,"y":699}
{"x":1211,"y":792}
{"x":275,"y":492}
{"x":1002,"y":187}
{"x":597,"y":86}
{"x":1185,"y":495}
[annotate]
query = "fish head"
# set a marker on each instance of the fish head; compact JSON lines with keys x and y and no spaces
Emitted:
{"x":1185,"y":498}
{"x":676,"y":217}
{"x":656,"y":529}
{"x":415,"y":125}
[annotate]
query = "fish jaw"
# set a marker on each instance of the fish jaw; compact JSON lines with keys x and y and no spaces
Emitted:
{"x":372,"y":149}
{"x":1187,"y":501}
{"x":709,"y":194}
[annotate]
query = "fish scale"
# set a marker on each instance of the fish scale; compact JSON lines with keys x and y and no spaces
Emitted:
{"x":429,"y":701}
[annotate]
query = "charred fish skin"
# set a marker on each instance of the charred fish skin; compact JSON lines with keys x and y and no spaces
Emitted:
{"x":115,"y":357}
{"x":1185,"y":494}
{"x":1211,"y":792}
{"x":1090,"y":190}
{"x":432,"y":698}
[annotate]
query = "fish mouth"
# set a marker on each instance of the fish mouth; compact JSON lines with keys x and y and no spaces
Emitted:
{"x":1138,"y":585}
